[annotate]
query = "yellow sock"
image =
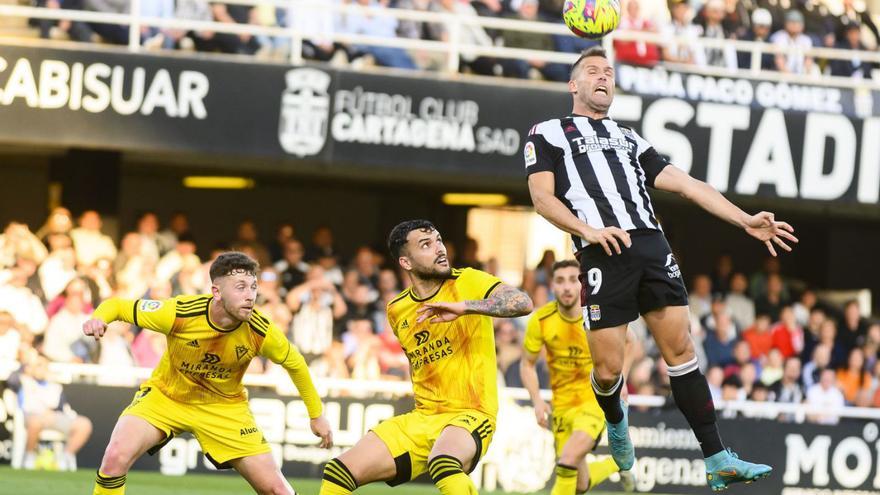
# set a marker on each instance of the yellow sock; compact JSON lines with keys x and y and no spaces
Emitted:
{"x":337,"y":479}
{"x":600,"y":471}
{"x":566,"y":480}
{"x":448,"y":477}
{"x":109,"y":485}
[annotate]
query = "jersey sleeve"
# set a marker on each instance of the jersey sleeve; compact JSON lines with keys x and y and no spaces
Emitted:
{"x":534,"y":340}
{"x":280,"y":351}
{"x":539,"y":155}
{"x":145,"y":313}
{"x":651,"y":162}
{"x":477,"y":284}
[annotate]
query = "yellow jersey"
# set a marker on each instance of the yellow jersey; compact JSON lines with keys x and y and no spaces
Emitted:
{"x":568,"y":355}
{"x":204,"y":363}
{"x":452,"y":364}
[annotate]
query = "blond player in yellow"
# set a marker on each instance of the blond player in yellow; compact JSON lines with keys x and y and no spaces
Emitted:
{"x":577,"y":419}
{"x":443,"y":322}
{"x":197,"y":385}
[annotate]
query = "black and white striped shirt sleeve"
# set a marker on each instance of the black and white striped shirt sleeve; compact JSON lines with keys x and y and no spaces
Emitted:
{"x":651,"y":162}
{"x":539,"y":155}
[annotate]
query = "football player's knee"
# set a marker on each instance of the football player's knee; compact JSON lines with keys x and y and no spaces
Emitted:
{"x":117,"y":459}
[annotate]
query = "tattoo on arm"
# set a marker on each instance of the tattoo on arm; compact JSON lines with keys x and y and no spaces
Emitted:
{"x":505,"y":302}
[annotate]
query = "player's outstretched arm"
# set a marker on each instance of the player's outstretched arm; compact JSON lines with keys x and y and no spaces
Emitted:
{"x":542,"y":188}
{"x":528,"y":372}
{"x":762,"y":226}
{"x":154,"y":315}
{"x":505,"y":302}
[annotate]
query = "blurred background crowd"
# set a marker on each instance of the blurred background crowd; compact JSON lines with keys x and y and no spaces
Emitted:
{"x":844,"y":24}
{"x":760,"y":336}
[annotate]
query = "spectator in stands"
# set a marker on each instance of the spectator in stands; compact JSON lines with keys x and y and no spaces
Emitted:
{"x":17,"y":242}
{"x":469,"y":258}
{"x":772,"y":367}
{"x":789,"y":389}
{"x":361,"y":305}
{"x":740,"y":306}
{"x":148,"y":229}
{"x":469,"y":34}
{"x":793,"y":38}
{"x":825,"y":395}
{"x":64,"y":342}
{"x":820,"y":361}
{"x":788,"y":337}
{"x":115,"y":350}
{"x":811,"y":332}
{"x":773,"y":299}
{"x":178,"y":225}
{"x":283,"y":233}
{"x":759,"y":337}
{"x":58,"y":269}
{"x":760,"y":32}
{"x":700,"y":296}
{"x":332,"y":363}
{"x":742,"y":355}
{"x":10,"y":338}
{"x":715,"y":377}
{"x":194,"y":10}
{"x":89,"y":242}
{"x":248,"y":238}
{"x":636,"y":52}
{"x":720,"y":341}
{"x":528,"y":11}
{"x":388,"y":282}
{"x":760,"y":393}
{"x":134,"y":269}
{"x":828,"y":336}
{"x":45,"y":408}
{"x":804,"y":306}
{"x":855,"y":66}
{"x":366,"y":267}
{"x":322,"y":245}
{"x":731,"y":391}
{"x":155,"y":37}
{"x":854,"y":377}
{"x":234,"y":43}
{"x":63,"y":29}
{"x":362,"y":349}
{"x":184,"y":253}
{"x":59,"y":221}
{"x":688,"y":50}
{"x":872,"y":345}
{"x":853,"y":16}
{"x":292,"y":268}
{"x":315,"y":304}
{"x":723,"y":57}
{"x":115,"y":34}
{"x":373,"y":23}
{"x":722,"y":274}
{"x":853,"y":327}
{"x":16,"y":298}
{"x":508,"y":344}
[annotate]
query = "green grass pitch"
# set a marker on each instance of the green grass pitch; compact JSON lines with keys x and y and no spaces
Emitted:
{"x":151,"y":483}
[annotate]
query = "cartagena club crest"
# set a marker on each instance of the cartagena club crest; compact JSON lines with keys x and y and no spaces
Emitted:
{"x":305,"y":104}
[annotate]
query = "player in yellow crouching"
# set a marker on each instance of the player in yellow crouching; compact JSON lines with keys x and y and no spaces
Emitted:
{"x":577,"y":419}
{"x":445,"y":327}
{"x":197,"y":385}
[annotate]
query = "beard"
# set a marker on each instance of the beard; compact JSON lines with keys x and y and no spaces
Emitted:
{"x":432,"y":273}
{"x":232,"y":312}
{"x":574,"y":302}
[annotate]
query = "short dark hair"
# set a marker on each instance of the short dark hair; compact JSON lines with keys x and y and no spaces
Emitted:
{"x":593,"y":51}
{"x":564,"y":264}
{"x":232,"y":263}
{"x":398,"y":235}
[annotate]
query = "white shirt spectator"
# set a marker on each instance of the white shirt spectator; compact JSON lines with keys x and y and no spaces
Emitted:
{"x":56,"y":272}
{"x":829,"y":397}
{"x":10,"y":339}
{"x":313,"y":324}
{"x":91,"y":245}
{"x":64,"y":329}
{"x":687,"y":49}
{"x":741,"y":309}
{"x":794,"y":62}
{"x":39,"y":397}
{"x":24,"y":306}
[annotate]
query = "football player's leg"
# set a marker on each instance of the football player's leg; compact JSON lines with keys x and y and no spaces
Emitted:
{"x":130,"y":439}
{"x":607,"y":346}
{"x":262,"y":474}
{"x":452,"y":456}
{"x":368,"y":461}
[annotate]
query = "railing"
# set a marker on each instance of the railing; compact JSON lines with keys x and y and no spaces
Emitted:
{"x":455,"y":48}
{"x":92,"y":373}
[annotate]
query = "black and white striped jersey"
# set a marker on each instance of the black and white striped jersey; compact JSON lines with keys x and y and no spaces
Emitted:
{"x":602,"y":170}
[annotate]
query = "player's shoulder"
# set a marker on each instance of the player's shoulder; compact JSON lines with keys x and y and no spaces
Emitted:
{"x":626,"y":130}
{"x":547,"y":310}
{"x":398,"y":298}
{"x":259,"y":322}
{"x":187,"y":306}
{"x":542,"y":127}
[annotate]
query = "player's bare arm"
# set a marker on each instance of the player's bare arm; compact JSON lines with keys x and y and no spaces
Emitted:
{"x":505,"y":302}
{"x":529,"y":375}
{"x":762,"y":226}
{"x":542,"y":190}
{"x":94,"y":328}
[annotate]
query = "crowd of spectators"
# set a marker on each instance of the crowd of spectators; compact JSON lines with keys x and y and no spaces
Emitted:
{"x":759,"y":336}
{"x":798,"y":25}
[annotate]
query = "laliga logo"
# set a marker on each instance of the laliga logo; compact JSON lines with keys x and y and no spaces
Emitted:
{"x":302,"y":128}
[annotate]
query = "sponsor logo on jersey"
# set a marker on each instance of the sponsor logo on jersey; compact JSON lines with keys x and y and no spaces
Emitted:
{"x":193,"y":343}
{"x":596,"y":143}
{"x":211,"y":358}
{"x":241,"y":351}
{"x":595,"y":312}
{"x":149,"y":306}
{"x":529,"y":154}
{"x":422,"y":337}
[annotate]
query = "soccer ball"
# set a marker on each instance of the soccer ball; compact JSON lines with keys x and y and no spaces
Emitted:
{"x":591,"y":19}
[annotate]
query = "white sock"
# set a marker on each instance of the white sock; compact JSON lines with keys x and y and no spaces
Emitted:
{"x":30,"y":460}
{"x":70,"y":457}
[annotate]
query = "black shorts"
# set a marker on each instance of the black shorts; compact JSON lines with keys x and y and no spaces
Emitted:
{"x":616,"y":289}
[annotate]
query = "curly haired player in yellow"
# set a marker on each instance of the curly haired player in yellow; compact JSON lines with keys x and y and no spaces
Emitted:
{"x":577,"y":419}
{"x":197,"y":385}
{"x":444,"y":324}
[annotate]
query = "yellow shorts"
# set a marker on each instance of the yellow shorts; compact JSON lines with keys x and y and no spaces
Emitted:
{"x":411,"y":436}
{"x":225,"y":431}
{"x":587,"y":418}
